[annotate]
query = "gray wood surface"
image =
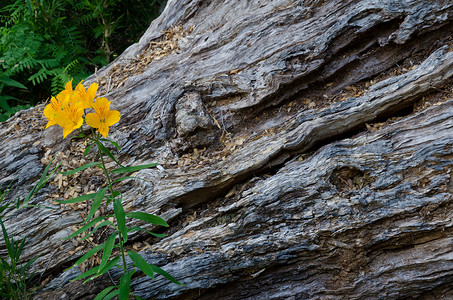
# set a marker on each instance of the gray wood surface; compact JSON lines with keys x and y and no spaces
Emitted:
{"x":292,"y":164}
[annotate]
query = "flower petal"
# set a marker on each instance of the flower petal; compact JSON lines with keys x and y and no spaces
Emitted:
{"x":49,"y":112}
{"x":50,"y":123}
{"x":68,"y":86}
{"x":67,"y":130}
{"x":92,"y":91}
{"x":101,"y":105}
{"x":103,"y":129}
{"x":112,"y":117}
{"x":92,"y":120}
{"x":62,"y":119}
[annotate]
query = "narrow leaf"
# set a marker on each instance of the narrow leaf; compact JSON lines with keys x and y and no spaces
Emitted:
{"x":87,"y":255}
{"x":86,"y":226}
{"x":40,"y":183}
{"x":158,"y":270}
{"x":107,"y":250}
{"x":122,"y":178}
{"x":4,"y":104}
{"x":111,"y":295}
{"x":30,"y":262}
{"x":44,"y":174}
{"x":141,"y":263}
{"x":96,"y":203}
{"x":100,"y":225}
{"x":7,"y":241}
{"x":87,"y":149}
{"x":96,"y":271}
{"x":138,"y":228}
{"x":88,"y":273}
{"x":85,"y":166}
{"x":112,"y":142}
{"x":133,"y":168}
{"x":4,"y":207}
{"x":102,"y":294}
{"x":109,"y":265}
{"x":107,"y":152}
{"x":78,"y":199}
{"x":81,"y":135}
{"x":147,"y":218}
{"x":20,"y":248}
{"x":120,"y":218}
{"x":8,"y":81}
{"x":125,"y":285}
{"x":112,"y":197}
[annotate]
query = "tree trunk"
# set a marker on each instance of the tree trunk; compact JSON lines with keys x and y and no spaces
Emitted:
{"x":306,"y":153}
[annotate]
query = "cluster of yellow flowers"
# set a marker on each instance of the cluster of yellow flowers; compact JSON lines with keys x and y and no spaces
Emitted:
{"x":68,"y":107}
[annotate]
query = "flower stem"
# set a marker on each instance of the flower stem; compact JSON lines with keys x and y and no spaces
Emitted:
{"x":109,"y":183}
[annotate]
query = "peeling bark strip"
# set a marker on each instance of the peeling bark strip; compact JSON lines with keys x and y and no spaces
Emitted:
{"x":251,"y":108}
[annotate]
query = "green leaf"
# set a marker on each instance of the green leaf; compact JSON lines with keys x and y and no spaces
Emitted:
{"x":78,"y":199}
{"x":104,"y":292}
{"x":10,"y":82}
{"x":87,"y":255}
{"x":96,"y":203}
{"x":158,"y":270}
{"x":30,"y":262}
{"x":125,"y":285}
{"x":90,"y":272}
{"x":138,"y":228}
{"x":112,"y":142}
{"x":81,"y":135}
{"x":109,"y":265}
{"x":4,"y":104}
{"x":112,"y":197}
{"x":85,"y":166}
{"x":87,"y":149}
{"x":42,"y":181}
{"x":111,"y":295}
{"x":7,"y":240}
{"x":147,"y":218}
{"x":86,"y":226}
{"x":109,"y":243}
{"x":100,"y":225}
{"x":138,"y":297}
{"x":4,"y":207}
{"x":96,"y":271}
{"x":123,"y":178}
{"x":120,"y":218}
{"x":133,"y":168}
{"x":141,"y":263}
{"x":107,"y":152}
{"x":21,"y":247}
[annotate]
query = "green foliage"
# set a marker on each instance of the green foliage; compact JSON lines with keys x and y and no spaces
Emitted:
{"x":115,"y":242}
{"x":14,"y":274}
{"x":45,"y":43}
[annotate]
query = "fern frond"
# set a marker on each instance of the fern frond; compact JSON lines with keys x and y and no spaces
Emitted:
{"x":39,"y":77}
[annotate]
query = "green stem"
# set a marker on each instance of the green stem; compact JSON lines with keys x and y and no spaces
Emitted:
{"x":109,"y":182}
{"x":123,"y":258}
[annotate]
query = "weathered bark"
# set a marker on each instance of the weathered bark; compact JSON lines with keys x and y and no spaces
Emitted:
{"x":275,"y":185}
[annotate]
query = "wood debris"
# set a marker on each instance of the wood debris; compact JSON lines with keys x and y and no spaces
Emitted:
{"x":119,"y":74}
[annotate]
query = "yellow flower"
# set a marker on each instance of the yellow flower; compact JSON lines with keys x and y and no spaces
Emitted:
{"x":103,"y":116}
{"x":87,"y":96}
{"x":51,"y":110}
{"x":71,"y":115}
{"x":67,"y":91}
